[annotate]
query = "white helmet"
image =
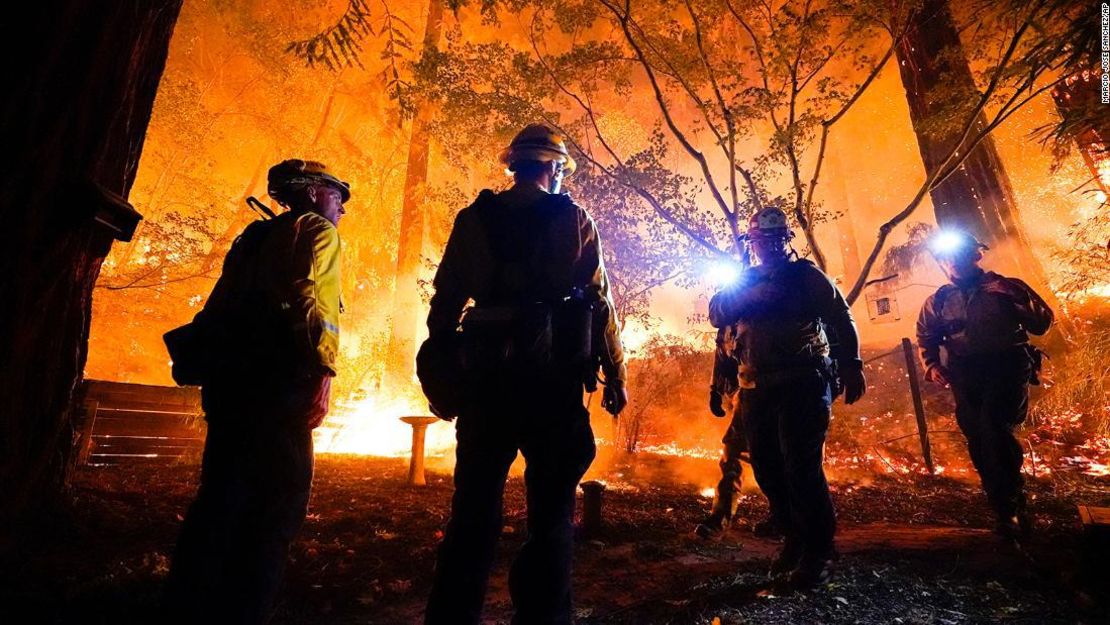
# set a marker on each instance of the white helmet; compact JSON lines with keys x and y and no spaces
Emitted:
{"x":538,"y":142}
{"x":769,"y":222}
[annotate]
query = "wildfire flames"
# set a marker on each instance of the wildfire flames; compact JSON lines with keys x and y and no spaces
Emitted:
{"x":372,"y":427}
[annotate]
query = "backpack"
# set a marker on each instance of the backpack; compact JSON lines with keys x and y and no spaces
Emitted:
{"x":212,"y":343}
{"x":524,"y":330}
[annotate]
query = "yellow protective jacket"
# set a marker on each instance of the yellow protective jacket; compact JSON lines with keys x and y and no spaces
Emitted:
{"x":284,"y":272}
{"x":573,"y":258}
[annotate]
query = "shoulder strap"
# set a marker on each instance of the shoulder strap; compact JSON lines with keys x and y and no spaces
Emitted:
{"x":250,"y":244}
{"x":485,"y":205}
{"x":250,"y":239}
{"x":550,"y":207}
{"x":231,"y":295}
{"x":942,"y":295}
{"x":516,"y":239}
{"x":244,"y":249}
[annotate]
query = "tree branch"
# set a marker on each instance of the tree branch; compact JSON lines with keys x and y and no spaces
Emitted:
{"x":134,"y":284}
{"x":730,"y":125}
{"x":677,"y":76}
{"x":338,"y":45}
{"x":828,"y":123}
{"x":675,"y":131}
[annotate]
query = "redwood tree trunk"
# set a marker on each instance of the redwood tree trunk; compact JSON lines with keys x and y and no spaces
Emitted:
{"x":400,"y":365}
{"x":839,"y":201}
{"x":80,"y":98}
{"x":977,"y":197}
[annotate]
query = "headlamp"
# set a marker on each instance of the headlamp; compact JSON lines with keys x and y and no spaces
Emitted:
{"x":949,"y":243}
{"x":723,"y":273}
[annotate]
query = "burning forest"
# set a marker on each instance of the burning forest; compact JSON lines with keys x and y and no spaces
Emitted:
{"x":778,"y":312}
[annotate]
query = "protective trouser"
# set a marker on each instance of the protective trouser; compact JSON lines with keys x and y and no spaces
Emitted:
{"x":547,"y":422}
{"x":253,"y":497}
{"x":992,"y":400}
{"x":728,"y":489}
{"x":786,"y":423}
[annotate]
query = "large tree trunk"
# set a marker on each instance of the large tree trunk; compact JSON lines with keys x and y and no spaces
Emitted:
{"x":400,"y":363}
{"x":80,"y":97}
{"x":977,"y":197}
{"x":839,"y":202}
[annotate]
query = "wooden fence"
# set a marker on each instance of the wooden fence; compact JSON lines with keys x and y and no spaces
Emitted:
{"x":122,"y":422}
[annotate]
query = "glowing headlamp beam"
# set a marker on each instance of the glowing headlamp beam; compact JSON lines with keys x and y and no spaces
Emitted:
{"x":947,"y":243}
{"x":722,"y":273}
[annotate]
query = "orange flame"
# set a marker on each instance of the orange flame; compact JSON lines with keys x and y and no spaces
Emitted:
{"x":372,"y":427}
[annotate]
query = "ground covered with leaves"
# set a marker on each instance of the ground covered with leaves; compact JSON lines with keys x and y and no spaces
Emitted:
{"x":913,"y":550}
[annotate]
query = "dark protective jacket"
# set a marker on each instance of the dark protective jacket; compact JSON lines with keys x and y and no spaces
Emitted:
{"x":781,"y":315}
{"x":567,"y":254}
{"x":969,"y":321}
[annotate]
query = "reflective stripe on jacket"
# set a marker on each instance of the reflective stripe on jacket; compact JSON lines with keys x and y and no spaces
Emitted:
{"x":286,"y":269}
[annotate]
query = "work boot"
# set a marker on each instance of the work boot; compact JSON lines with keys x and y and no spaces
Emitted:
{"x":1024,"y":517}
{"x":713,"y":526}
{"x":787,"y":560}
{"x":1008,"y":527}
{"x":811,"y":572}
{"x":1025,"y":523}
{"x":767,"y":528}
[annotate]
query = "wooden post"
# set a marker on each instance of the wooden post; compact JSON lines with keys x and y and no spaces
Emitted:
{"x":592,"y":493}
{"x":416,"y":460}
{"x":1095,"y":550}
{"x":85,"y":443}
{"x":918,"y":406}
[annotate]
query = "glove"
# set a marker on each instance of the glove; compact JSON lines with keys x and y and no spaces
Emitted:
{"x":1006,"y":289}
{"x":715,"y":403}
{"x":938,"y":374}
{"x":309,"y":398}
{"x":615,"y":397}
{"x":851,"y":378}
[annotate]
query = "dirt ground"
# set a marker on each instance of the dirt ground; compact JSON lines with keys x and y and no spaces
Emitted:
{"x":913,"y":550}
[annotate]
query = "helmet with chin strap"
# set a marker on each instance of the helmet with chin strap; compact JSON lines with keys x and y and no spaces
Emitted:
{"x":291,"y":175}
{"x":538,"y":142}
{"x":769,"y":223}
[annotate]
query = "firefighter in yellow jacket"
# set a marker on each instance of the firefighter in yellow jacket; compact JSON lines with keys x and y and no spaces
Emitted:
{"x":271,"y":328}
{"x":531,"y":260}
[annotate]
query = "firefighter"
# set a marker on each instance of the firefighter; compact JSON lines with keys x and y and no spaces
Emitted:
{"x":723,"y":391}
{"x":983,"y":321}
{"x":272,"y":334}
{"x":529,"y":257}
{"x":789,"y":374}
